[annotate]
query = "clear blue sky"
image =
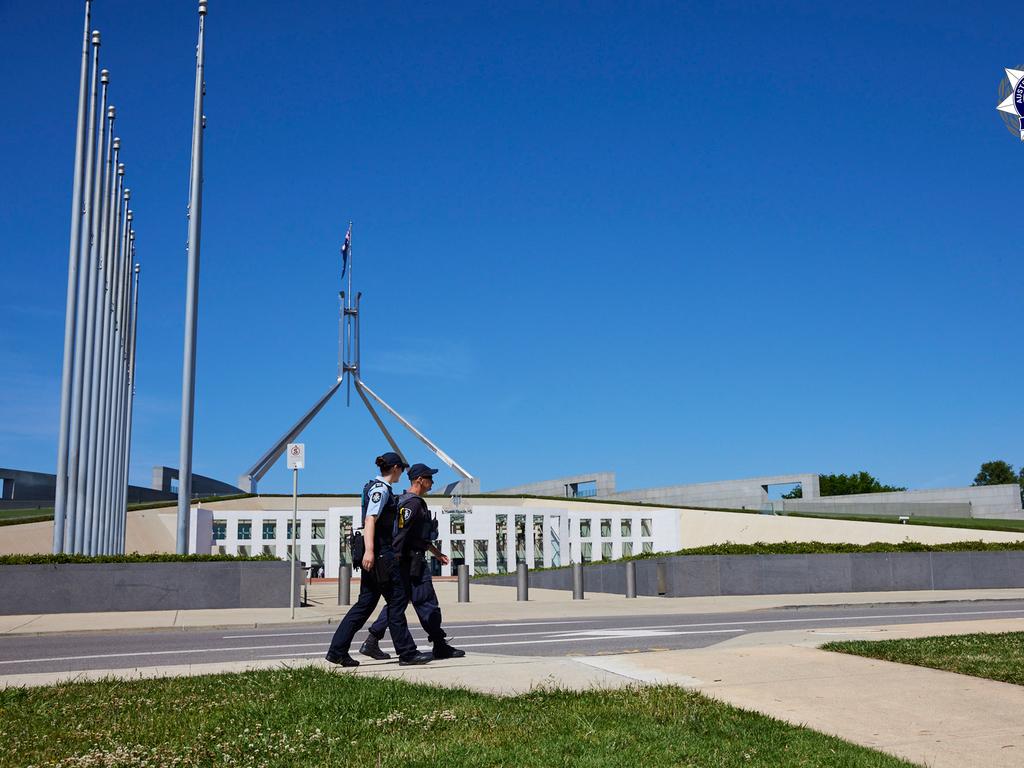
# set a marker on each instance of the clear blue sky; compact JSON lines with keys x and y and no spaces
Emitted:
{"x":679,"y":242}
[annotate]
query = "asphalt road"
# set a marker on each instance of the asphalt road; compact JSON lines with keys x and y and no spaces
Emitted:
{"x":62,"y":652}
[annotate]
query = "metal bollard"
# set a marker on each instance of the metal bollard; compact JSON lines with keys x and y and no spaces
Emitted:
{"x":577,"y":581}
{"x":522,"y":582}
{"x":463,"y":583}
{"x":662,"y":572}
{"x":345,"y":585}
{"x":631,"y":578}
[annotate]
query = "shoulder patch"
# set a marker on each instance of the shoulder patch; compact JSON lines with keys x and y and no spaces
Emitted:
{"x":375,"y":497}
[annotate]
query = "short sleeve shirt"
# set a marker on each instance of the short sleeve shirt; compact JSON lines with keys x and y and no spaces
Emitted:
{"x":377,"y":497}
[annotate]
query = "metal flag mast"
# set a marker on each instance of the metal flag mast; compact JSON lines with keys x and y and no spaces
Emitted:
{"x":349,"y":367}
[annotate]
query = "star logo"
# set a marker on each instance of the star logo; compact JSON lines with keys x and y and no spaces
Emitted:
{"x":1011,"y":88}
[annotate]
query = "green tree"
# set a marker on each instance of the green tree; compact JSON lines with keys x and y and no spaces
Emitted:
{"x":843,"y":485}
{"x":997,"y":473}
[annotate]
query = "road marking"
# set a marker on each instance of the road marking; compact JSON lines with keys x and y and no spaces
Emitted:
{"x":454,"y":626}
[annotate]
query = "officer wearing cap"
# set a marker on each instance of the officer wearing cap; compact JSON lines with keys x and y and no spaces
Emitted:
{"x":381,"y":576}
{"x":412,"y":540}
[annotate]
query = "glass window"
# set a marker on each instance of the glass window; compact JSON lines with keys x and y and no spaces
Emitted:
{"x":648,"y":546}
{"x":520,"y":539}
{"x":538,"y":541}
{"x":268,"y":550}
{"x":457,"y":523}
{"x":222,"y":550}
{"x":501,"y":542}
{"x":606,"y":527}
{"x":243,"y":550}
{"x":269,"y":529}
{"x":626,"y":528}
{"x":645,"y":526}
{"x":244,"y":530}
{"x":319,"y":529}
{"x":458,"y":555}
{"x":344,"y":550}
{"x":584,"y":527}
{"x":627,"y":549}
{"x":317,"y":558}
{"x":586,"y":554}
{"x":606,"y":551}
{"x":220,"y":529}
{"x":480,"y":562}
{"x":298,"y":529}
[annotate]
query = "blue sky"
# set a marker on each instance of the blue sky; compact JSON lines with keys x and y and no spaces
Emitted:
{"x":683,"y":242}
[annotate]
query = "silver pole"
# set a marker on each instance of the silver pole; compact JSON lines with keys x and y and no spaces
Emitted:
{"x":104,"y":292}
{"x":122,"y":507}
{"x":463,"y":583}
{"x":74,"y":250}
{"x":75,"y":521}
{"x":631,"y":578}
{"x":577,"y":581}
{"x":295,"y":517}
{"x":87,"y":479}
{"x":188,"y":374}
{"x":125,"y":261}
{"x":522,"y":582}
{"x":345,"y":585}
{"x":112,"y":418}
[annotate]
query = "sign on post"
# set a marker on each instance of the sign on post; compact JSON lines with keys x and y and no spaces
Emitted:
{"x":296,"y":455}
{"x":296,"y":461}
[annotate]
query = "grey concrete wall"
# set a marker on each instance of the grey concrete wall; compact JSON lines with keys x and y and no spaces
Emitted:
{"x":992,"y":501}
{"x":748,"y":493}
{"x":556,"y":487}
{"x":90,"y":587}
{"x":709,"y":575}
{"x":824,"y":506}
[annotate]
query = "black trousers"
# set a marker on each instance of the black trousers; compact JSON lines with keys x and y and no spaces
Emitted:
{"x":424,"y":601}
{"x":370,"y":592}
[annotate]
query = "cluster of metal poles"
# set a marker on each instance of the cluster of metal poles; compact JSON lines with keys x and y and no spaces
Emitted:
{"x":98,"y":379}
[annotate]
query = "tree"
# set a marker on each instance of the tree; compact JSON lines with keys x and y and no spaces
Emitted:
{"x":997,"y":473}
{"x":843,"y":485}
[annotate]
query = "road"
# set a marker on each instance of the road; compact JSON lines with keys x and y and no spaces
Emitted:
{"x":65,"y":652}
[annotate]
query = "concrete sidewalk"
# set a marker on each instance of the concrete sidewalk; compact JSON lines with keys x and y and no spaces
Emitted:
{"x":940,"y":719}
{"x":488,"y":603}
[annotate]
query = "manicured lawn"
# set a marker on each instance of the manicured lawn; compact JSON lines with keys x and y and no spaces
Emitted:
{"x":310,"y":716}
{"x":995,"y":656}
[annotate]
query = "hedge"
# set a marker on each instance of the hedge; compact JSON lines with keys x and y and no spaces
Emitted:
{"x":135,"y":557}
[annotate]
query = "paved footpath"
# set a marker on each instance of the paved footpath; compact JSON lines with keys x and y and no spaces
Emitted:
{"x":926,"y":716}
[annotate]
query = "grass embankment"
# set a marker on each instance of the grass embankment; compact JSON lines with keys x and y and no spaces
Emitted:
{"x":311,"y":716}
{"x":993,"y":656}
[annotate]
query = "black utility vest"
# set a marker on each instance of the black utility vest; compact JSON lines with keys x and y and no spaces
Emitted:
{"x":383,"y":531}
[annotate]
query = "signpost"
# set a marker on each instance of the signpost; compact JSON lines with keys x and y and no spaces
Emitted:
{"x":296,"y":461}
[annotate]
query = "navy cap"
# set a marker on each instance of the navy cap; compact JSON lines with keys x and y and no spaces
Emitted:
{"x":420,"y":470}
{"x":392,"y":459}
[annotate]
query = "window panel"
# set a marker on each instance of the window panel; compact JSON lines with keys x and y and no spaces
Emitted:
{"x":244,"y":530}
{"x":269,"y":529}
{"x":480,"y":561}
{"x":584,"y":527}
{"x":220,"y":529}
{"x":626,"y":528}
{"x":606,"y":527}
{"x":606,"y":551}
{"x":319,"y":529}
{"x":645,"y":527}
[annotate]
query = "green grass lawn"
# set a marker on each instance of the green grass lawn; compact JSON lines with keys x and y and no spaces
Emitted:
{"x":995,"y":656}
{"x":310,"y":716}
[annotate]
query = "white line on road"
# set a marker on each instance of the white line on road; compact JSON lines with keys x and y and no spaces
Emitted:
{"x":456,"y":626}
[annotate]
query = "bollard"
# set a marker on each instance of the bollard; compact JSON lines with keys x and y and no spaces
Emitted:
{"x":577,"y":581}
{"x":345,"y":585}
{"x":522,"y":582}
{"x":463,"y":583}
{"x":631,"y":578}
{"x":662,"y":577}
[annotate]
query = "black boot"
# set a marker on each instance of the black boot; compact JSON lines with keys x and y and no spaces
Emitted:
{"x":444,"y":651}
{"x":343,"y":659}
{"x":371,"y":648}
{"x":414,"y":658}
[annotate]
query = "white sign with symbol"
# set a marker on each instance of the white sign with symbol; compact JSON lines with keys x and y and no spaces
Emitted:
{"x":296,"y":455}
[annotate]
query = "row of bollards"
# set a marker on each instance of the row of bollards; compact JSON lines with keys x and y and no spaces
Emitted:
{"x":522,"y":582}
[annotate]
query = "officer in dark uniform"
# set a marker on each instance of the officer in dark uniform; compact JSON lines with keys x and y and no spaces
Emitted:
{"x":414,"y":535}
{"x":381,"y":576}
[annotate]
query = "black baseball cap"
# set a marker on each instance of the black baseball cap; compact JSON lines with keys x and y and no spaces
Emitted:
{"x":392,"y":459}
{"x":420,"y":470}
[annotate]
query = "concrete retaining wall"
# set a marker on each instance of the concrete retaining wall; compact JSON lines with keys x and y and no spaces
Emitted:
{"x":700,"y":575}
{"x":89,"y":587}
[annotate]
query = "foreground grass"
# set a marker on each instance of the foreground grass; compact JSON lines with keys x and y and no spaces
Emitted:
{"x":311,"y":716}
{"x":993,"y":656}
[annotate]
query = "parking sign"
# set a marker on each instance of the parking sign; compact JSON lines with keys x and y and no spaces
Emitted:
{"x":296,"y":455}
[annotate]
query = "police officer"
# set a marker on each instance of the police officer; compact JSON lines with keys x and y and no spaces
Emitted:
{"x":380,"y":577}
{"x":413,"y":538}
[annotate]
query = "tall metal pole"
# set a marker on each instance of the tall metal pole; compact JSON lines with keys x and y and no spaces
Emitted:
{"x":102,"y":372}
{"x":125,"y":329}
{"x":122,"y":508}
{"x":188,"y":374}
{"x":74,"y":250}
{"x":74,"y":521}
{"x":87,"y":463}
{"x":295,"y":518}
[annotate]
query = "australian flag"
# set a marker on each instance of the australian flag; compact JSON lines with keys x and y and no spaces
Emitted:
{"x":345,"y":248}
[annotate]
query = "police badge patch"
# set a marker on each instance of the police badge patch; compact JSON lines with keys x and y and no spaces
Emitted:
{"x":375,"y":497}
{"x":1011,"y":91}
